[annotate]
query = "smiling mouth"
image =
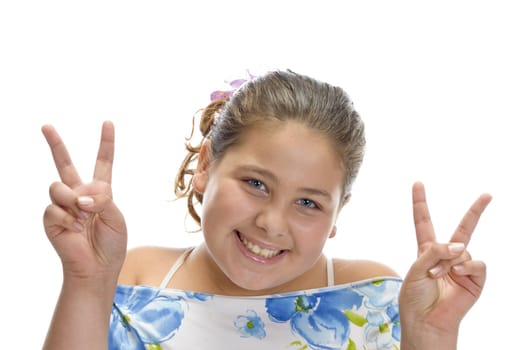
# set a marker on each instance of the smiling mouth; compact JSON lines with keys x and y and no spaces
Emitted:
{"x":255,"y":249}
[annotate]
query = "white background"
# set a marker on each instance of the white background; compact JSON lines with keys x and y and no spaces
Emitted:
{"x":440,"y":85}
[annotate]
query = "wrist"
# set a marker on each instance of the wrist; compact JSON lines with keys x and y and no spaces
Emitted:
{"x":90,"y":274}
{"x":82,"y":313}
{"x":421,"y":337}
{"x":99,"y":286}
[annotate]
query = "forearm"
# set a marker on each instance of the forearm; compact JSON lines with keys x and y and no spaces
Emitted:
{"x":81,"y":317}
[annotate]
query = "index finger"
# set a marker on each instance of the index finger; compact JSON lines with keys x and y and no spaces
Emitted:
{"x":423,"y":225}
{"x":104,"y":163}
{"x":66,"y":170}
{"x":468,"y":223}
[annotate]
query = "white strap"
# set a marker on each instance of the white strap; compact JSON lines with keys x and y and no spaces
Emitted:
{"x":180,"y":260}
{"x":330,"y":273}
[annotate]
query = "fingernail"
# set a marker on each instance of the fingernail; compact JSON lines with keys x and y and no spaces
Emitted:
{"x":84,"y":214}
{"x":456,"y":247}
{"x":85,"y":200}
{"x":458,"y":268}
{"x":435,"y":270}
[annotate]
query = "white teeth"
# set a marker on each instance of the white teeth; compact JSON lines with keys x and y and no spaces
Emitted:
{"x":266,"y":253}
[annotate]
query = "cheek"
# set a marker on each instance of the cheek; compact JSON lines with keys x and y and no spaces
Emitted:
{"x":312,"y":229}
{"x":225,"y":203}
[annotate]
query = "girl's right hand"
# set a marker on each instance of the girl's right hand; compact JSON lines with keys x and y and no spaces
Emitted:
{"x":82,"y":222}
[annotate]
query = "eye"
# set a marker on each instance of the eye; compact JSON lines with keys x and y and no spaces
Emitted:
{"x":259,"y":185}
{"x":307,"y":203}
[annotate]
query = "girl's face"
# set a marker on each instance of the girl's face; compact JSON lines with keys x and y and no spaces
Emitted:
{"x":270,"y":204}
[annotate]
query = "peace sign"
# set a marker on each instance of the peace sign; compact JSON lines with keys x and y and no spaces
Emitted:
{"x":444,"y":282}
{"x":82,"y":222}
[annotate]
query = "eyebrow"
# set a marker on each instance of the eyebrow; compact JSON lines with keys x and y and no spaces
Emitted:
{"x":268,"y":174}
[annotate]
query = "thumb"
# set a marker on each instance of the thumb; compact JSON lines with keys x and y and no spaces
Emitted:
{"x":104,"y":206}
{"x":437,"y":258}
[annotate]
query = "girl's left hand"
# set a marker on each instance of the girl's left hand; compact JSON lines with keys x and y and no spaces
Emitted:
{"x":444,"y":282}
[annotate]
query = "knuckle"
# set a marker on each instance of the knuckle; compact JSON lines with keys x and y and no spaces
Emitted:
{"x":67,"y":220}
{"x":54,"y":185}
{"x":47,"y":212}
{"x":53,"y":189}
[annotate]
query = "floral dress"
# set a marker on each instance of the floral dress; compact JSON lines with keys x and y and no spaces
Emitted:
{"x":359,"y":315}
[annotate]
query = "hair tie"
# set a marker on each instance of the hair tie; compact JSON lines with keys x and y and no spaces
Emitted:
{"x":234,"y":84}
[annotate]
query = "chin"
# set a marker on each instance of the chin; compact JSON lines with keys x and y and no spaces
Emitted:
{"x":253,"y":286}
{"x":256,"y":285}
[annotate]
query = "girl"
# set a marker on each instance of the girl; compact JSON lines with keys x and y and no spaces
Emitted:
{"x":274,"y":170}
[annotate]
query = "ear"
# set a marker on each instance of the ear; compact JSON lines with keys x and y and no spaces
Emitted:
{"x":333,"y":232}
{"x":200,"y":178}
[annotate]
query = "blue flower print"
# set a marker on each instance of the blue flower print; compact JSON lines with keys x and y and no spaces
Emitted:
{"x":143,"y":316}
{"x":250,"y":325}
{"x":378,"y":331}
{"x":383,"y":322}
{"x":394,"y":316}
{"x":319,"y":319}
{"x":198,"y":296}
{"x":380,"y":293}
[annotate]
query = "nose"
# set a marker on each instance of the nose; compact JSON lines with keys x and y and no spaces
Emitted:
{"x":272,"y":218}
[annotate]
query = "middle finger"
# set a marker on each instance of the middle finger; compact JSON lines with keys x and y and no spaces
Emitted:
{"x":469,"y":221}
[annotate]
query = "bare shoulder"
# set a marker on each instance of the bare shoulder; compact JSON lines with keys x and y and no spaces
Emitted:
{"x":346,"y":271}
{"x":148,"y":265}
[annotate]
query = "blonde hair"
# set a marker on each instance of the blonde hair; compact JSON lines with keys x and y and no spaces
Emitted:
{"x":277,"y":96}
